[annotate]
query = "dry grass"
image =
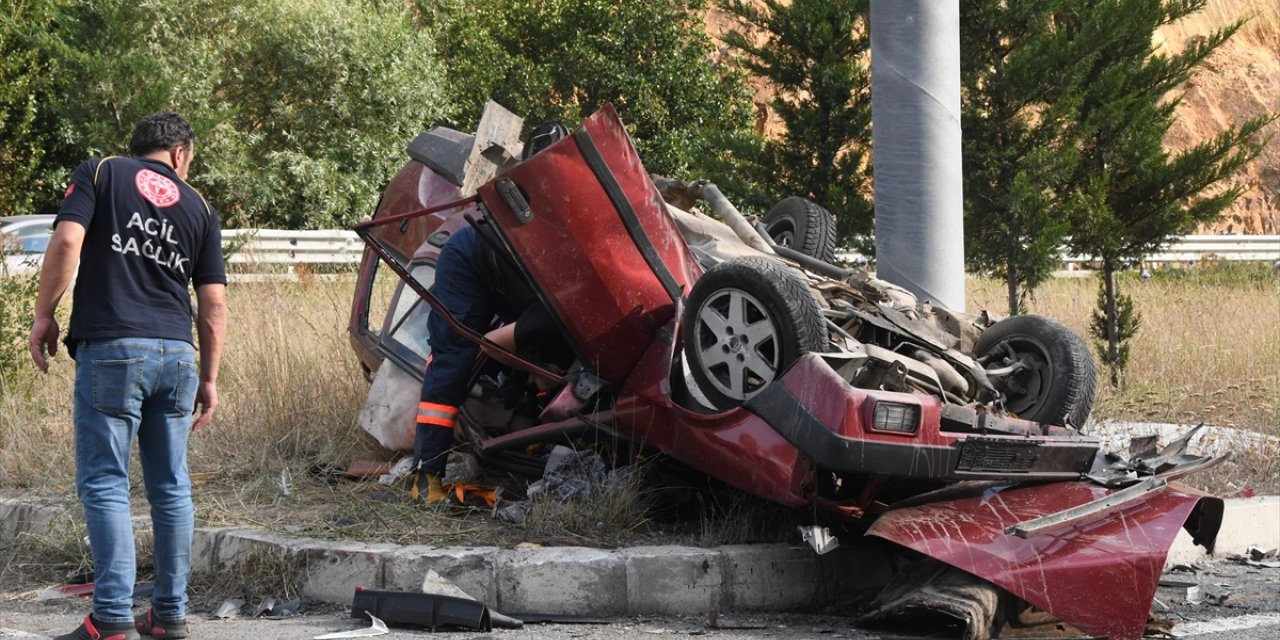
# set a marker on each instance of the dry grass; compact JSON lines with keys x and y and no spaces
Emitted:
{"x":47,"y":558}
{"x":1262,"y":28}
{"x":289,"y":391}
{"x":291,"y":385}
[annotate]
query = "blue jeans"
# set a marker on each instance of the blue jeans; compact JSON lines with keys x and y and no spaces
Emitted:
{"x":127,"y":388}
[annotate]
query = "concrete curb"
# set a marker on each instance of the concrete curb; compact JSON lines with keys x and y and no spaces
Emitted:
{"x":660,"y":580}
{"x":1246,"y":522}
{"x":18,"y":517}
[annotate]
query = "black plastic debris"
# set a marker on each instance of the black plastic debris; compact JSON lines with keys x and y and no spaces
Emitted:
{"x":427,"y":610}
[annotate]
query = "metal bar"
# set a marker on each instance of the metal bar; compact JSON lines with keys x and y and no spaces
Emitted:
{"x":730,"y":215}
{"x":385,"y":255}
{"x":1088,"y":511}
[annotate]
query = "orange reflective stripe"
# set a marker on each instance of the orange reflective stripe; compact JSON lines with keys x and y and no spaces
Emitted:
{"x":447,"y":423}
{"x":441,"y":415}
{"x":442,"y":408}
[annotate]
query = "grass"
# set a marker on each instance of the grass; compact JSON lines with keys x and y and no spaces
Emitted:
{"x":1262,"y":28}
{"x":290,"y":389}
{"x":47,"y":558}
{"x":289,"y":392}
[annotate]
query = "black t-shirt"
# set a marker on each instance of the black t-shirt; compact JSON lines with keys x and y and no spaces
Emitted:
{"x":148,"y":234}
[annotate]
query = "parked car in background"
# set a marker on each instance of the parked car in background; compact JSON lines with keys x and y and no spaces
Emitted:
{"x":23,"y":240}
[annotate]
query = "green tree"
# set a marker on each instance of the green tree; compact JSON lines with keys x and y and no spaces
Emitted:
{"x":302,"y":107}
{"x":814,"y":53}
{"x":23,"y":85}
{"x":562,"y":59}
{"x":1129,"y":195}
{"x":1127,"y":322}
{"x":315,"y":105}
{"x":1015,"y":155}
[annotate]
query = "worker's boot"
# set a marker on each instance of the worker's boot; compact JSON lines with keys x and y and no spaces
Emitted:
{"x":427,"y":488}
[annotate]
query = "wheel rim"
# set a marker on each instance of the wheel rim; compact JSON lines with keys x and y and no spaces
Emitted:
{"x":1031,"y":386}
{"x":737,"y":343}
{"x":783,"y":233}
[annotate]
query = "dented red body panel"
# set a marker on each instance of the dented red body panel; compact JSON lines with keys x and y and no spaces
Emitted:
{"x":1100,"y":576}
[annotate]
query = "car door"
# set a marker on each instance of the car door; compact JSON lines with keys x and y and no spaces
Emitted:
{"x":591,"y":231}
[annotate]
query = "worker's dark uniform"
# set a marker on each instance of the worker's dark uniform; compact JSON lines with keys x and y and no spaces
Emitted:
{"x":475,"y":285}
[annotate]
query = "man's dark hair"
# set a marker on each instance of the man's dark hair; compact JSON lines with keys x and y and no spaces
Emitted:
{"x":159,"y":132}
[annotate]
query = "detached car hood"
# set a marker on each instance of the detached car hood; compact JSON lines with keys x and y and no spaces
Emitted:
{"x":1099,"y":573}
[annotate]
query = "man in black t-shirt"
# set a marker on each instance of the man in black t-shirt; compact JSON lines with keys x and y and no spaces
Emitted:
{"x":142,"y":236}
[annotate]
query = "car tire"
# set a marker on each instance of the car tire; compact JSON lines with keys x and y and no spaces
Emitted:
{"x":1060,"y":380}
{"x":803,"y":225}
{"x":746,"y":321}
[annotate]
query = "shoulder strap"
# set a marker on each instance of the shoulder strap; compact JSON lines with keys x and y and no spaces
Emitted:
{"x":98,"y":169}
{"x":208,"y":211}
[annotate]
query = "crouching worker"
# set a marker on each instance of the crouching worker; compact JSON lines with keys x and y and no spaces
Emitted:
{"x":475,"y":285}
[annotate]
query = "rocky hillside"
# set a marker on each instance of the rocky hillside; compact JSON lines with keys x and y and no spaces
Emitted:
{"x":1241,"y":80}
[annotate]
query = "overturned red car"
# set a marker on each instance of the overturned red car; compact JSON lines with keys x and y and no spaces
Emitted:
{"x":742,"y":352}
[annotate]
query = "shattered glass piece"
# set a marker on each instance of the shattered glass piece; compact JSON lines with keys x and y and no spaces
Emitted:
{"x":229,"y":608}
{"x":376,"y":629}
{"x":284,"y":610}
{"x":819,"y":538}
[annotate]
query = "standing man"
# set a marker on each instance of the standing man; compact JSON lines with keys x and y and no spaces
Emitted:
{"x":142,"y":235}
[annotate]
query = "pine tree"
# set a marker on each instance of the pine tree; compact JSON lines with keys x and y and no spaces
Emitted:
{"x":1014,"y":154}
{"x":1129,"y":196}
{"x":814,"y":54}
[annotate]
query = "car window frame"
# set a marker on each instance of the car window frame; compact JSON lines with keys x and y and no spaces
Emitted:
{"x":36,"y":229}
{"x":405,"y":305}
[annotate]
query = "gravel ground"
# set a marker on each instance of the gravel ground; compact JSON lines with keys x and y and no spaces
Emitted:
{"x":1236,"y":602}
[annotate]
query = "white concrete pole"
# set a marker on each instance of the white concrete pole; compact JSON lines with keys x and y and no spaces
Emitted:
{"x":915,"y":125}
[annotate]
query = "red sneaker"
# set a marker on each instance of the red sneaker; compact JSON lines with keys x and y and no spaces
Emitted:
{"x":92,"y":629}
{"x":149,"y":624}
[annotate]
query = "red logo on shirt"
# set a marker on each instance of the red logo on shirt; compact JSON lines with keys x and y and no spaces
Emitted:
{"x":157,"y":189}
{"x":71,"y":187}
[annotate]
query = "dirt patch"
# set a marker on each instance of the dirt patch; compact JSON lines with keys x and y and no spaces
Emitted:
{"x":1239,"y":81}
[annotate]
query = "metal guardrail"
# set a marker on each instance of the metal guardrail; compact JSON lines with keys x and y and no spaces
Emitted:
{"x":275,"y":247}
{"x":1183,"y":250}
{"x":339,"y":247}
{"x":263,"y":247}
{"x":1191,"y":249}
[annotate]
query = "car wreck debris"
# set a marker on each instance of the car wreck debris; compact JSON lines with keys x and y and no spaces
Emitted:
{"x":376,"y":628}
{"x":819,"y":538}
{"x":427,"y":610}
{"x":747,"y":357}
